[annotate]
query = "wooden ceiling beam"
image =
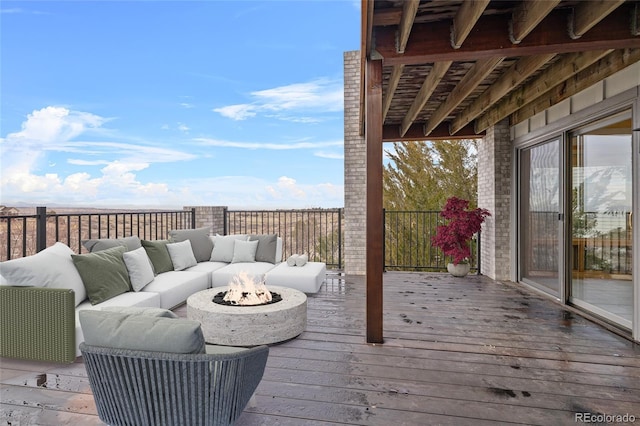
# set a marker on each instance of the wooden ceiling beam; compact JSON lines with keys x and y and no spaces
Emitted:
{"x":391,"y":133}
{"x":432,"y":42}
{"x":366,"y":34}
{"x":396,"y":73}
{"x":587,"y":14}
{"x":465,"y":20}
{"x":605,"y":67}
{"x":438,"y":71}
{"x":406,"y":22}
{"x":469,"y":82}
{"x":566,"y":67}
{"x":511,"y":78}
{"x":527,"y":16}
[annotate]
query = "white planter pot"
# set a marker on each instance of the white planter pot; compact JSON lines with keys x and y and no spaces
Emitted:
{"x":459,"y":270}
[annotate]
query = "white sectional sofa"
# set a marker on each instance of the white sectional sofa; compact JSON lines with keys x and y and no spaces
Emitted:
{"x":87,"y":281}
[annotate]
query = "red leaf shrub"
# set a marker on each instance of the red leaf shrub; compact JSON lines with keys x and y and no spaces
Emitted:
{"x":453,"y":237}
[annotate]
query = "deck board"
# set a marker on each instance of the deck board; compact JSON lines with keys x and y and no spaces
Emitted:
{"x":457,"y":351}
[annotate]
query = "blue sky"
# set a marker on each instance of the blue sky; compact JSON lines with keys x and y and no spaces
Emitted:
{"x":165,"y":104}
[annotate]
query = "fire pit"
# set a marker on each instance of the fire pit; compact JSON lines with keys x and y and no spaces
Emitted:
{"x":249,"y":325}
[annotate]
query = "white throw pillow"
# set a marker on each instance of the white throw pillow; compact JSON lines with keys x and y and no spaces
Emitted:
{"x":182,"y":255}
{"x":52,"y":267}
{"x":244,"y":251}
{"x":139,"y":267}
{"x":223,"y":246}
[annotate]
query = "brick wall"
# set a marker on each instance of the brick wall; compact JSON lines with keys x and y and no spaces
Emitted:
{"x":212,"y":216}
{"x":494,"y":194}
{"x":355,"y":171}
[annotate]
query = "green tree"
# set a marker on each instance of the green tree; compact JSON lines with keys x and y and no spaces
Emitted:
{"x":422,"y":175}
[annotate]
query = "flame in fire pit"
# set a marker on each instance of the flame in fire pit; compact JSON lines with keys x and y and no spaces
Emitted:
{"x":244,"y":290}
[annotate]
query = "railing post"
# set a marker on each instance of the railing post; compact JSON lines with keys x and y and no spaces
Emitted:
{"x":478,"y":253}
{"x":340,"y":213}
{"x":225,"y":220}
{"x":384,"y":239}
{"x":41,"y":228}
{"x":193,"y":218}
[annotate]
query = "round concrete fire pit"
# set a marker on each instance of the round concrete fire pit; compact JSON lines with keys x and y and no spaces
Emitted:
{"x":249,"y":325}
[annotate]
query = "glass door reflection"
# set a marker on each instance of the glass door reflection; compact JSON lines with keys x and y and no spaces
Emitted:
{"x":539,"y":214}
{"x":601,"y":220}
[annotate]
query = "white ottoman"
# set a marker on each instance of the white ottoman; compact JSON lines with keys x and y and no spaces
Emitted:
{"x":307,"y":278}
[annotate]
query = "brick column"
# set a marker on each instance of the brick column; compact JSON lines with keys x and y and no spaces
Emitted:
{"x":355,"y":171}
{"x":212,"y":216}
{"x":494,"y":194}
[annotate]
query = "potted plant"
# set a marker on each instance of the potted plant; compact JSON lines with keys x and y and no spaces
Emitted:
{"x":453,"y":237}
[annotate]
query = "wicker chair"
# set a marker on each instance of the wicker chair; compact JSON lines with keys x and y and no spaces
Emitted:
{"x":141,"y":388}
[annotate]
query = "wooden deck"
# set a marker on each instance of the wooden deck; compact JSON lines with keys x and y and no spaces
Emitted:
{"x":468,"y":351}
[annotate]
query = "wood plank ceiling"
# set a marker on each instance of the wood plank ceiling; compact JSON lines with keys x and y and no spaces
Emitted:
{"x":451,"y":69}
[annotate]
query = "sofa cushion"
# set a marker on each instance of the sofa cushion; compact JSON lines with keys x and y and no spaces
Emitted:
{"x":141,"y":310}
{"x":131,"y":243}
{"x":244,"y":251}
{"x":223,"y":247}
{"x":159,"y":255}
{"x":182,"y":255}
{"x":199,"y":238}
{"x":307,"y":278}
{"x":142,"y":332}
{"x":52,"y":267}
{"x":139,"y":267}
{"x":176,"y":286}
{"x":130,"y":298}
{"x":267,"y":245}
{"x":104,"y":273}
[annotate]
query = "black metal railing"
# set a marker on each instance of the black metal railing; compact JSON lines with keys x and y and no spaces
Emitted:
{"x":24,"y":235}
{"x":407,"y":242}
{"x":316,"y":232}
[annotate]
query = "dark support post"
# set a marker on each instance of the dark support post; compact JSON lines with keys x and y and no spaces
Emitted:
{"x":193,"y":218}
{"x":375,"y":221}
{"x":41,"y":228}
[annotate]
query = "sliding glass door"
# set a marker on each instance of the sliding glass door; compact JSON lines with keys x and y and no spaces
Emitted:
{"x":540,"y":227}
{"x":601,"y":220}
{"x":575,"y":221}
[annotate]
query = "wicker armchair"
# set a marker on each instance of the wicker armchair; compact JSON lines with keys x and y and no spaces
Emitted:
{"x":157,"y":388}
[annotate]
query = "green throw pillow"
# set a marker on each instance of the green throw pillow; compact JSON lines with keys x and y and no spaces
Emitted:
{"x":104,"y":273}
{"x":159,"y":255}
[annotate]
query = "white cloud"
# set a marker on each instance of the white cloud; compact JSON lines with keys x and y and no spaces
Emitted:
{"x":319,"y":96}
{"x":329,"y":155}
{"x":247,"y":192}
{"x":187,"y":105}
{"x":56,"y":129}
{"x":238,"y":112}
{"x":118,"y":181}
{"x":266,"y":145}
